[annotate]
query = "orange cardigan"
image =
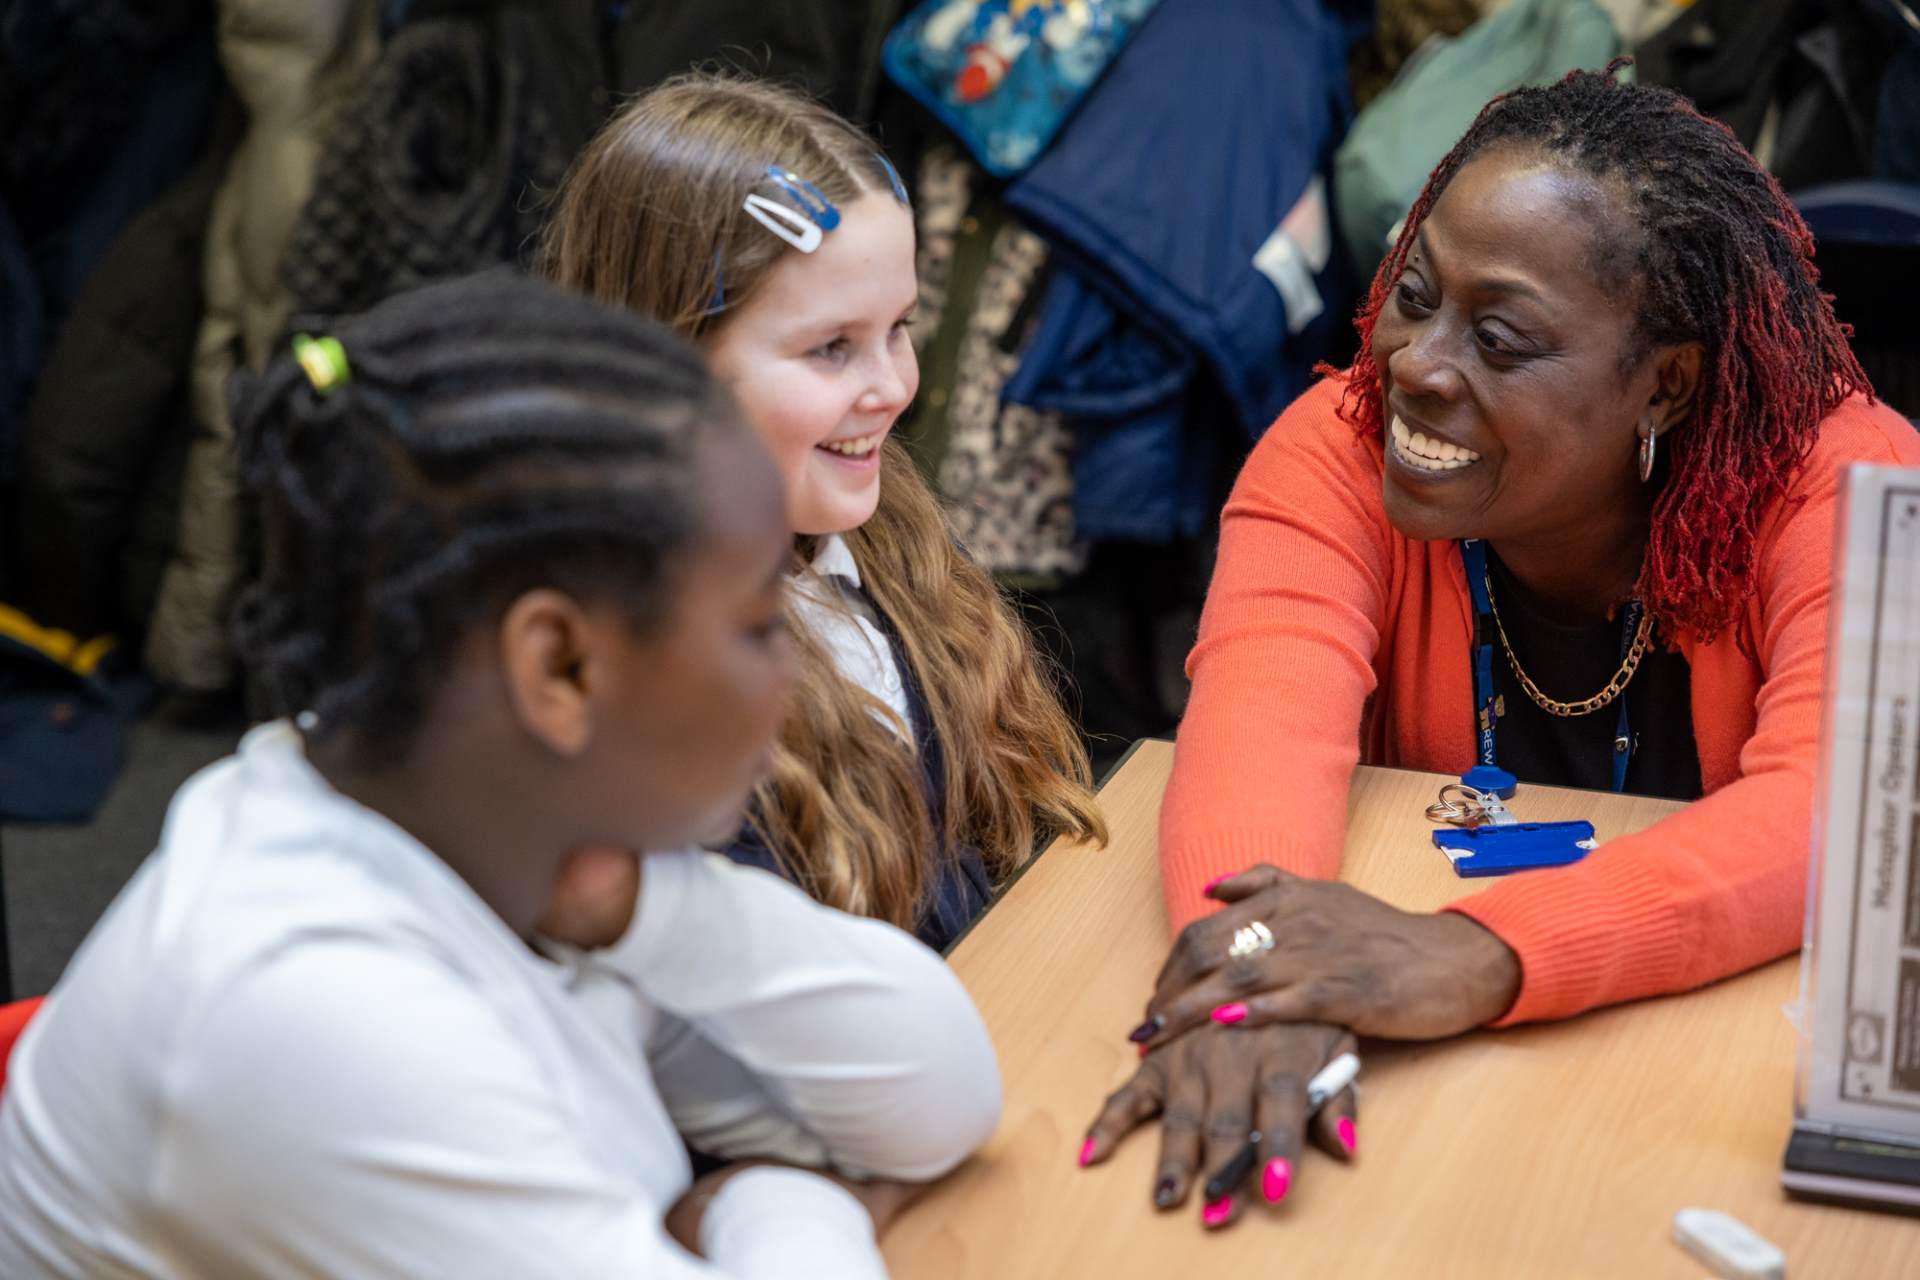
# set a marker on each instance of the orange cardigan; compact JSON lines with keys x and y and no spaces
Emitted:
{"x":1329,"y":638}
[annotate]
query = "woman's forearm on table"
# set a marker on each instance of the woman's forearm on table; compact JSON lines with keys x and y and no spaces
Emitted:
{"x":1710,"y":891}
{"x":1282,"y":668}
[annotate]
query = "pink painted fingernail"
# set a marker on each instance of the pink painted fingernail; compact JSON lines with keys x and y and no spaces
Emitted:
{"x":1218,"y":1212}
{"x":1086,"y":1153}
{"x":1230,"y":1013}
{"x":1349,"y":1137}
{"x":1276,"y":1179}
{"x":1216,"y":882}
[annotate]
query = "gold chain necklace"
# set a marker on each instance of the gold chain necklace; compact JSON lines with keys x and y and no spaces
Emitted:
{"x":1614,"y":687}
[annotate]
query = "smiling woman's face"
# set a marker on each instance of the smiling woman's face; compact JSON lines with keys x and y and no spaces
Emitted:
{"x":1510,"y":411}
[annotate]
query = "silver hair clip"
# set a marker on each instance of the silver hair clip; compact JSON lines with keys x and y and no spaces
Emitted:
{"x":803,"y":220}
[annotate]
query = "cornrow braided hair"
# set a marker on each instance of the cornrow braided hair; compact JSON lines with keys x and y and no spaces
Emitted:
{"x":1715,"y":253}
{"x":493,"y":435}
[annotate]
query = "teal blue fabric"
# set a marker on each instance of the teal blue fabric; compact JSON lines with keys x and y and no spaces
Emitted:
{"x":1005,"y":81}
{"x":1402,"y":134}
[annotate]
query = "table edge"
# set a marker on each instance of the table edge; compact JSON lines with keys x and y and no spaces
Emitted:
{"x":1001,"y":892}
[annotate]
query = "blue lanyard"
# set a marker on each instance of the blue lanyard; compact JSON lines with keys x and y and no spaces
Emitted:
{"x":1473,"y":553}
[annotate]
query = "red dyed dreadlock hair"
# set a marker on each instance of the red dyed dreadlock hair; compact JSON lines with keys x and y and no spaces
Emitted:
{"x":1718,"y":256}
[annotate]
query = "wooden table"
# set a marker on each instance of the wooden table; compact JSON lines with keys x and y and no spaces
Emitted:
{"x":1543,"y":1152}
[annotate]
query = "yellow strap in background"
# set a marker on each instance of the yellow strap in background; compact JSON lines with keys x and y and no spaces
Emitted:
{"x":82,"y":658}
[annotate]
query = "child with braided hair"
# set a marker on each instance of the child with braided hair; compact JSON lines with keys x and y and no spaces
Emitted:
{"x":926,"y":750}
{"x":521,"y":604}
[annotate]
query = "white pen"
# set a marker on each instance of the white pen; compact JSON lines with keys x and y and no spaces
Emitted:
{"x":1332,"y":1078}
{"x":1327,"y":1082}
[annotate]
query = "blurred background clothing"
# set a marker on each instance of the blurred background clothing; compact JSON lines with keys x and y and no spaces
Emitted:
{"x":1113,"y":307}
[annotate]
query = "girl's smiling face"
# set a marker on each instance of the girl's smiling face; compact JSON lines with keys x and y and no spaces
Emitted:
{"x":820,"y":361}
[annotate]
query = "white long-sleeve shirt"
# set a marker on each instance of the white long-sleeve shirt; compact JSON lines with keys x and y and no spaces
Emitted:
{"x":298,"y":1045}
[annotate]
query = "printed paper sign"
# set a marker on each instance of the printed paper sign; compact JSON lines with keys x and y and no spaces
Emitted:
{"x":1862,"y":1068}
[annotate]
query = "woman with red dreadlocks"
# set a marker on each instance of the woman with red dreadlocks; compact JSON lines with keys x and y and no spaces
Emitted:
{"x":1596,"y":424}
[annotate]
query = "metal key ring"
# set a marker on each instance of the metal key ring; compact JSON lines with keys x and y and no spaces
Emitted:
{"x":1469,"y":810}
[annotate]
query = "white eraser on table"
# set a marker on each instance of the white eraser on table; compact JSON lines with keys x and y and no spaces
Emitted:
{"x":1728,"y":1245}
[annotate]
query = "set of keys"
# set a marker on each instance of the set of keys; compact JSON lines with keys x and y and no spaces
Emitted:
{"x":1484,"y":838}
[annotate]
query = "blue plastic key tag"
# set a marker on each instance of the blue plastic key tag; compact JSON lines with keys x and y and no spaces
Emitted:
{"x":1492,"y":779}
{"x":1495,"y":850}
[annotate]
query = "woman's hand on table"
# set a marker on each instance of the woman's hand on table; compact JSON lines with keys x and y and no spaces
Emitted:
{"x":1339,"y":956}
{"x":1214,"y":1088}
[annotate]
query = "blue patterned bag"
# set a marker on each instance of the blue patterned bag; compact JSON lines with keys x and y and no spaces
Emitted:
{"x":1004,"y":75}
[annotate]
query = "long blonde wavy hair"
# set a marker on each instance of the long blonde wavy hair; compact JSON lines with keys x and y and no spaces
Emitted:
{"x":650,"y":217}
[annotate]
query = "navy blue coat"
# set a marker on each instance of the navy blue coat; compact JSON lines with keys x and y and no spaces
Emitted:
{"x":1164,"y":200}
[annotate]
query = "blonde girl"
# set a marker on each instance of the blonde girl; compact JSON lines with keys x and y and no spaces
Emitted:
{"x":925,"y":752}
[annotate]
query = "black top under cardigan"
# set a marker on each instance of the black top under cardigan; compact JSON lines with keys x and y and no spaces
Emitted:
{"x":962,"y":888}
{"x":1569,"y":662}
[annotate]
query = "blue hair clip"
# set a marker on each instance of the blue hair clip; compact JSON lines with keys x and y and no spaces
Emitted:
{"x":893,"y":176}
{"x":803,"y":193}
{"x":803,"y":220}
